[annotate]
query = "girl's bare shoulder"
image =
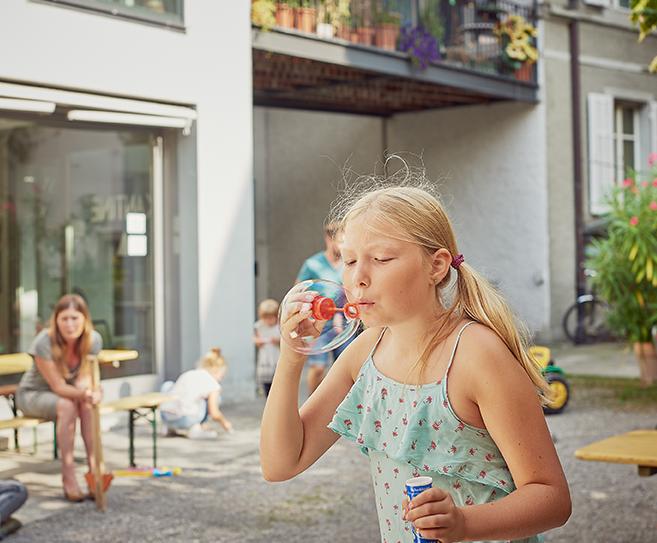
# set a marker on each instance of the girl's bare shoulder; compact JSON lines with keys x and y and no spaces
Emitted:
{"x":359,"y":349}
{"x":482,"y":350}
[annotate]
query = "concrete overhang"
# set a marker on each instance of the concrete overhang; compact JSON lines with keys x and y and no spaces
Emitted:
{"x":301,"y":71}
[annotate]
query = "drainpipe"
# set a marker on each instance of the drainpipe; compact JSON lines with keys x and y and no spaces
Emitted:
{"x":575,"y":93}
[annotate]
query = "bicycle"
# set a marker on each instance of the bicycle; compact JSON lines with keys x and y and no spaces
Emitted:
{"x":591,"y":327}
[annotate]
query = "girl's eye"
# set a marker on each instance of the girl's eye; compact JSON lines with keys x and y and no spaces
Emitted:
{"x":383,"y":259}
{"x":349,"y":262}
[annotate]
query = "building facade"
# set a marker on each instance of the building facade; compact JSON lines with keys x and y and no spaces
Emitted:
{"x":126,"y":176}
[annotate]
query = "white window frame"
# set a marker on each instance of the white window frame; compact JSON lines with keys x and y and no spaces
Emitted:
{"x":604,"y":170}
{"x":621,"y":137}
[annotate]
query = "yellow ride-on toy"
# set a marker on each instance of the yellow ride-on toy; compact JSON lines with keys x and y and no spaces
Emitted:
{"x":555,"y":377}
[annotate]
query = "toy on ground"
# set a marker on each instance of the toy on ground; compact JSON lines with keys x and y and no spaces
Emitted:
{"x":334,"y":319}
{"x":147,"y":472}
{"x":555,"y":377}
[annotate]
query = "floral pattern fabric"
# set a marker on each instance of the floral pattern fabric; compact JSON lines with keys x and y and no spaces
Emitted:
{"x":408,"y":431}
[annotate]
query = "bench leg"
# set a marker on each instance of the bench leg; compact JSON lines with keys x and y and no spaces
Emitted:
{"x":55,"y":452}
{"x":131,"y":433}
{"x":14,"y":410}
{"x":154,"y":426}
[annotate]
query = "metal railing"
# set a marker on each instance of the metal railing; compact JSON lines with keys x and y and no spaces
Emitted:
{"x":492,"y":36}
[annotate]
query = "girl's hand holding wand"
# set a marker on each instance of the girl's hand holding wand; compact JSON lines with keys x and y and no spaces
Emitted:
{"x":435,"y":516}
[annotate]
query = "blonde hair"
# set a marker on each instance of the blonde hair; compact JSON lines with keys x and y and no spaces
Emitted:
{"x":268,"y":307}
{"x":57,"y":341}
{"x":212,"y":360}
{"x":418,"y":217}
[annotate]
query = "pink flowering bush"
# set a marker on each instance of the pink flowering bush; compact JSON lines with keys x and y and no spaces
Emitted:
{"x":626,"y":260}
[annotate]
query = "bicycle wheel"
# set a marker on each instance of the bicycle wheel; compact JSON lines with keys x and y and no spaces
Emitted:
{"x":594,"y":321}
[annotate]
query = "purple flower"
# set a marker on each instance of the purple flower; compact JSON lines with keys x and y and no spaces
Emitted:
{"x":420,"y":45}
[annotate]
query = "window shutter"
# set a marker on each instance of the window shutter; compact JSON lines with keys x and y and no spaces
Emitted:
{"x":598,"y":3}
{"x":601,"y":150}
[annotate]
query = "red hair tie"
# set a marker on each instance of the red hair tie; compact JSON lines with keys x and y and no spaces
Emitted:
{"x":457,"y":261}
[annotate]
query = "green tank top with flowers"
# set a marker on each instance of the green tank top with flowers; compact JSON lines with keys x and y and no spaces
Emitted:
{"x":408,"y":431}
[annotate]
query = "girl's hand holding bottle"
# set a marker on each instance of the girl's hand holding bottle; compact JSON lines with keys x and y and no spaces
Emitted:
{"x":435,"y":516}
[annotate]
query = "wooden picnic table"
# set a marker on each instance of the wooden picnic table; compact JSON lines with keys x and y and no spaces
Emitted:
{"x":638,"y":447}
{"x":15,"y":363}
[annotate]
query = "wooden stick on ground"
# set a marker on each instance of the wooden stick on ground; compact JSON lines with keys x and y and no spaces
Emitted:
{"x":99,"y":463}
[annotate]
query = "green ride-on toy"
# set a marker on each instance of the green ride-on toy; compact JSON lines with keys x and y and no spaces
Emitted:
{"x":555,"y":377}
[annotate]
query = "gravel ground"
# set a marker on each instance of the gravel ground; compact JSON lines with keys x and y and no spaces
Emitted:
{"x":221,"y":496}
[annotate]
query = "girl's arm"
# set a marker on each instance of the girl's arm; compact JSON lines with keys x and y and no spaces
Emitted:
{"x":292,"y":439}
{"x":259,"y":342}
{"x":215,"y":413}
{"x":58,"y":384}
{"x":512,"y":414}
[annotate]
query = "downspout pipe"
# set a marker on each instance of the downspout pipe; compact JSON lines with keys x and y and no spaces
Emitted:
{"x":575,"y":93}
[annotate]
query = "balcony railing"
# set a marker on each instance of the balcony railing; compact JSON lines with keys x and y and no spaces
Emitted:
{"x":491,"y":36}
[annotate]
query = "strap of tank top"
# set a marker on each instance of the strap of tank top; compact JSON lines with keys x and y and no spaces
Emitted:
{"x":456,"y":344}
{"x":378,"y":341}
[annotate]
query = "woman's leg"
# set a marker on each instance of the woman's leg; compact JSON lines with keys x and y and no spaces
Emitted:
{"x":86,"y":429}
{"x":67,"y":414}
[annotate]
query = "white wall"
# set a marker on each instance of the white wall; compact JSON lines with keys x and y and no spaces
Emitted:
{"x":209,"y":67}
{"x":491,"y":164}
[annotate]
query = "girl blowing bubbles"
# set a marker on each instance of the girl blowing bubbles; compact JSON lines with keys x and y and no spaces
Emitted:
{"x":430,"y":388}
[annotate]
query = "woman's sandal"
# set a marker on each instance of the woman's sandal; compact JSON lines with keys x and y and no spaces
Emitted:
{"x":91,"y":483}
{"x":74,"y":497}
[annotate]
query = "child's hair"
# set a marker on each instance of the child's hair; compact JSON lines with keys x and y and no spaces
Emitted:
{"x":212,"y":360}
{"x":417,"y":216}
{"x":268,"y":308}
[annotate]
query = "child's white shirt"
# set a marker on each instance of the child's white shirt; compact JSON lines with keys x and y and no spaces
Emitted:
{"x":191,"y":388}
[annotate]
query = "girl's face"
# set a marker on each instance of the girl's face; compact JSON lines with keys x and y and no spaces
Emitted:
{"x":395,"y":278}
{"x":70,"y":323}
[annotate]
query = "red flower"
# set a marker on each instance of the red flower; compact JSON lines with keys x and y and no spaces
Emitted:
{"x":654,"y":182}
{"x":652,"y":158}
{"x":653,"y":205}
{"x":628,"y":182}
{"x":644,"y":184}
{"x":634,"y":221}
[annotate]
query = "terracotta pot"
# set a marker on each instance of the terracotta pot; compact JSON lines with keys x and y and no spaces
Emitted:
{"x":365,"y":35}
{"x":344,"y":32}
{"x":305,"y":19}
{"x":386,"y":36}
{"x":646,"y":355}
{"x":353,"y":36}
{"x":284,"y":16}
{"x":524,"y":73}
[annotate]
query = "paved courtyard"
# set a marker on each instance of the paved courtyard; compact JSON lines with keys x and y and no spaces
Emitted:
{"x":220,"y":495}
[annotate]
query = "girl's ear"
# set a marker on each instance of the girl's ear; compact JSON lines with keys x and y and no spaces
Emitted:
{"x":440,"y":262}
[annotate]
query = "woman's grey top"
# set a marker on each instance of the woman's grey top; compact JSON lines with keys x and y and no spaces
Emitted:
{"x":32,"y":378}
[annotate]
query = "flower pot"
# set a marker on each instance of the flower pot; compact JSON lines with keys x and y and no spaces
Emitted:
{"x":305,"y":19}
{"x":284,"y":16}
{"x":646,"y":356}
{"x":386,"y":36}
{"x":524,"y":73}
{"x":365,"y":35}
{"x":343,"y":32}
{"x":325,"y":30}
{"x":353,"y":36}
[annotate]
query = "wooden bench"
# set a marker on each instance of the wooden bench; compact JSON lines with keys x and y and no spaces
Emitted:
{"x":142,"y":406}
{"x":638,"y":447}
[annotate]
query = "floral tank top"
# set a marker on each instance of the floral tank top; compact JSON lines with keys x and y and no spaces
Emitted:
{"x":412,"y":430}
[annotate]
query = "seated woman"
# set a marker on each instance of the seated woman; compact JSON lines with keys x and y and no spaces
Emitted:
{"x":58,"y":386}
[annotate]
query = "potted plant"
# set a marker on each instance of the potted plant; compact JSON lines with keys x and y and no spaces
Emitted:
{"x":334,"y":16}
{"x":262,"y":13}
{"x":518,"y":53}
{"x":387,"y":30}
{"x":626,"y":266}
{"x":284,"y":15}
{"x":421,"y":46}
{"x":305,"y":16}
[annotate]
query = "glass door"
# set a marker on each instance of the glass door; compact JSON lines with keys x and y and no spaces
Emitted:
{"x":79,"y":219}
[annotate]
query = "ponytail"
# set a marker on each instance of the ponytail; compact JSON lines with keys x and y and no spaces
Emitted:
{"x":479,"y":301}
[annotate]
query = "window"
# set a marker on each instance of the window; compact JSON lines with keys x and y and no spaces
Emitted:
{"x":622,"y":133}
{"x":164,"y":12}
{"x":626,"y":138}
{"x":76,"y":215}
{"x":621,"y":4}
